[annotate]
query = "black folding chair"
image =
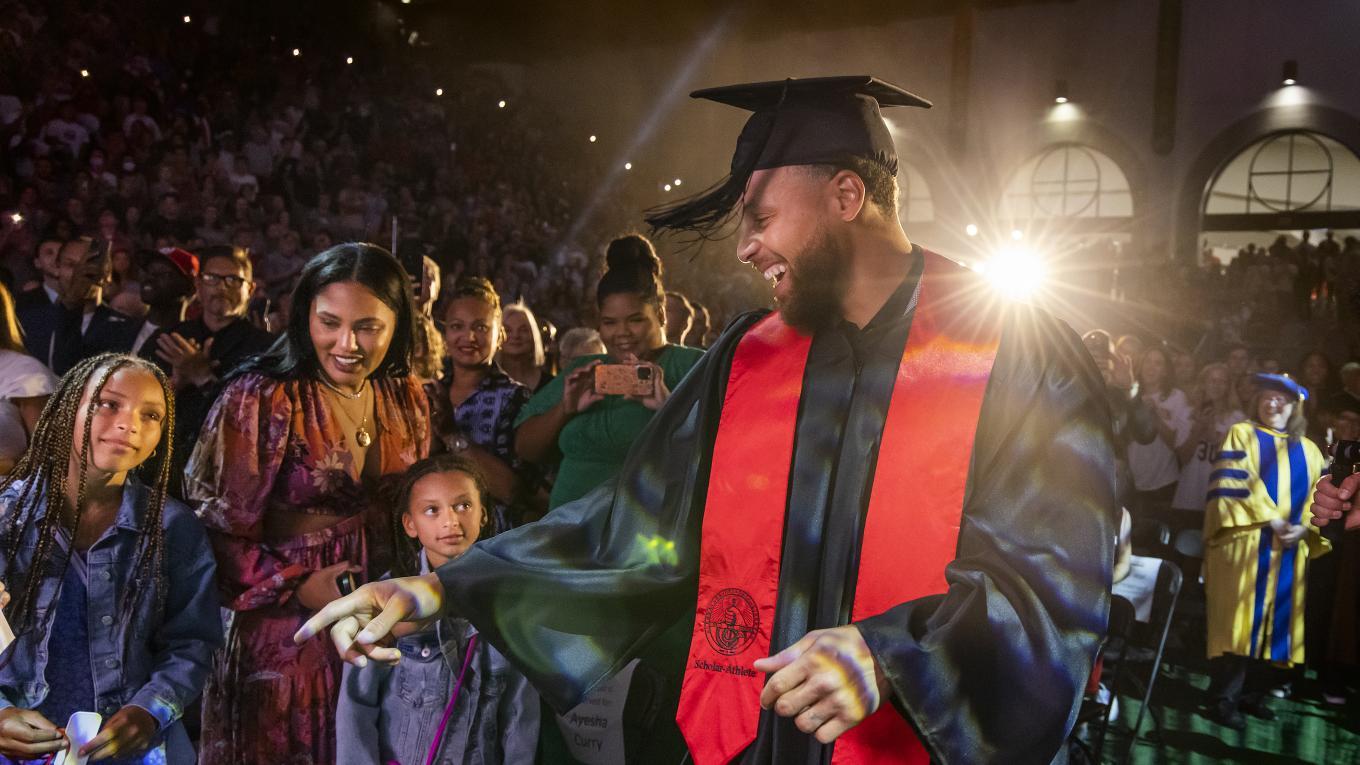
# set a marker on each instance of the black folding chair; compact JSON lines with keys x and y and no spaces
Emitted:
{"x":1094,"y":714}
{"x":1150,"y":537}
{"x":1166,"y":594}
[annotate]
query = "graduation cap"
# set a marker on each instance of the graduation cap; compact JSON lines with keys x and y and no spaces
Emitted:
{"x":1282,"y":383}
{"x":820,"y":120}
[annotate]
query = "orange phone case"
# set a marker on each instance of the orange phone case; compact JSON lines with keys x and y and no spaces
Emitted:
{"x":622,"y":380}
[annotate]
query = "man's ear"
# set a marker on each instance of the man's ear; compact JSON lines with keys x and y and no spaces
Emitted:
{"x":849,"y":195}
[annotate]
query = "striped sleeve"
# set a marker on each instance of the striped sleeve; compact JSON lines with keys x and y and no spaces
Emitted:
{"x":1229,"y":504}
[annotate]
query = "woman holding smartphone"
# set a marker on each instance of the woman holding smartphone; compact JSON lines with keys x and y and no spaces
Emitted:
{"x":596,"y":408}
{"x":594,"y":428}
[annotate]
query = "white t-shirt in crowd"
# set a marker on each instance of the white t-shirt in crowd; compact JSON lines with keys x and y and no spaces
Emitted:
{"x":1154,"y":465}
{"x":1194,"y":483}
{"x":72,"y":134}
{"x":21,"y":376}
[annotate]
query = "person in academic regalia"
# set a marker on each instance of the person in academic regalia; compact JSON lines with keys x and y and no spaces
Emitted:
{"x":1258,"y":540}
{"x":885,"y":513}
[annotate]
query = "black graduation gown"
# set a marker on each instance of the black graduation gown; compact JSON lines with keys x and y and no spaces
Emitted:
{"x":991,"y":671}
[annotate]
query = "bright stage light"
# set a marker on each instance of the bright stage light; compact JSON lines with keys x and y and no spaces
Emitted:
{"x":84,"y":72}
{"x":500,"y":104}
{"x":187,"y":20}
{"x":971,"y":229}
{"x":439,"y":91}
{"x":297,"y":52}
{"x":667,"y":187}
{"x":593,"y":139}
{"x":1014,"y":272}
{"x":676,"y":181}
{"x":349,"y":59}
{"x":627,"y":165}
{"x":1290,"y":72}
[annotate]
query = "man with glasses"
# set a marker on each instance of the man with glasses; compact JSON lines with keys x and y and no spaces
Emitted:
{"x":199,"y":353}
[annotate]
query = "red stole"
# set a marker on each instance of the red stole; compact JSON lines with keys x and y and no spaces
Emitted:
{"x":910,"y":533}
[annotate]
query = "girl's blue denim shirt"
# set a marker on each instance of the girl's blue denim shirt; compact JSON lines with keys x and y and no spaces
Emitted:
{"x":158,"y":663}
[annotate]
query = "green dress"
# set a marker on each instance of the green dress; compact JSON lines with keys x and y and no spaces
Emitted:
{"x":593,"y":445}
{"x":594,"y":442}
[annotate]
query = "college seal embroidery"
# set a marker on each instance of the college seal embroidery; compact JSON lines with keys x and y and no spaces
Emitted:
{"x":731,"y":621}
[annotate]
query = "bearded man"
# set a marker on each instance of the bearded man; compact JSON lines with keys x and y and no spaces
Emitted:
{"x":883,"y":516}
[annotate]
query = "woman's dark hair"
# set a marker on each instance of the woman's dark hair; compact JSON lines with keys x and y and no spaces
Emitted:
{"x":406,"y":561}
{"x":1330,"y":381}
{"x":479,"y":288}
{"x":631,"y":267}
{"x":43,"y":471}
{"x":292,"y":355}
{"x":1168,"y":378}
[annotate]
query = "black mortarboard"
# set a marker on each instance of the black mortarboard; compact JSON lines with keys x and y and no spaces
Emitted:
{"x":821,"y":120}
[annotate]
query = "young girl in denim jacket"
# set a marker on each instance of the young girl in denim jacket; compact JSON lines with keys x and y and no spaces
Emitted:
{"x":114,"y":604}
{"x":408,"y":714}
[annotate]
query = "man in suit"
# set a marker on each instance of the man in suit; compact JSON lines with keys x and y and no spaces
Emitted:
{"x":85,"y":326}
{"x":36,"y":307}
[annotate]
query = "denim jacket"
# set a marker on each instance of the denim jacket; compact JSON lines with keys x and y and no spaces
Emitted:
{"x":160,"y":664}
{"x":390,"y":713}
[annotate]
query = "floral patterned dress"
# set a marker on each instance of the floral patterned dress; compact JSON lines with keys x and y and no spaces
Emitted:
{"x":277,"y":446}
{"x":486,"y":418}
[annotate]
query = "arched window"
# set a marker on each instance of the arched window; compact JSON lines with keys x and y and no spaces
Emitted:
{"x":1067,"y":181}
{"x":1296,"y":172}
{"x":915,"y":203}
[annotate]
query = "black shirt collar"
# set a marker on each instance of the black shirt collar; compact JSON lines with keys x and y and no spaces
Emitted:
{"x":893,"y":315}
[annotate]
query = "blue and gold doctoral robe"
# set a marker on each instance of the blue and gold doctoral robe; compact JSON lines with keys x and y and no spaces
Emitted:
{"x":1254,"y":585}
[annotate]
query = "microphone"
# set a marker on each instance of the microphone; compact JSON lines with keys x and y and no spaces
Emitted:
{"x":1345,"y":457}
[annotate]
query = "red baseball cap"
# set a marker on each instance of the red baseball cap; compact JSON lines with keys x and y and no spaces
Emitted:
{"x":185,"y":261}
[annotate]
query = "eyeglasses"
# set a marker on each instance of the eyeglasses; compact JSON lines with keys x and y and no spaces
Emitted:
{"x":212,"y":280}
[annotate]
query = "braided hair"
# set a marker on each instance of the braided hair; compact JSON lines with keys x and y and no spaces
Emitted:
{"x":43,"y":472}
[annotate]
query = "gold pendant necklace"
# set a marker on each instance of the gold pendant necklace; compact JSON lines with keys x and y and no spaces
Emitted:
{"x":361,"y":435}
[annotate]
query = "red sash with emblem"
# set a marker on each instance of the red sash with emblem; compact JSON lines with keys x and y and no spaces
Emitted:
{"x":910,"y":533}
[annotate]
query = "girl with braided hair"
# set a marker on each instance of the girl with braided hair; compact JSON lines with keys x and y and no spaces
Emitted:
{"x":86,"y":547}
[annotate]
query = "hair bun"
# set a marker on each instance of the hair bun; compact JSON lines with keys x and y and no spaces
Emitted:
{"x":632,"y":253}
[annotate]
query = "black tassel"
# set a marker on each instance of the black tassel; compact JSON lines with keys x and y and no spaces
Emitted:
{"x":705,"y":215}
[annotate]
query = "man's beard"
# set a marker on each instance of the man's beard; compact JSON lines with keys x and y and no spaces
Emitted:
{"x":817,"y":292}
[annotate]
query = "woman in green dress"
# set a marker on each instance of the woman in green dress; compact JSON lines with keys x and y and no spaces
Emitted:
{"x":592,"y":430}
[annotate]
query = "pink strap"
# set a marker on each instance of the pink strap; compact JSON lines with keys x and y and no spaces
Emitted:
{"x":453,"y":699}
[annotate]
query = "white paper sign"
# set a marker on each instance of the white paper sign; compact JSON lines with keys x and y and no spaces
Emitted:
{"x":80,"y":730}
{"x":593,"y":730}
{"x":1139,"y":585}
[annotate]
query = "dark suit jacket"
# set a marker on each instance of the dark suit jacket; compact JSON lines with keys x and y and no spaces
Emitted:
{"x":37,"y":316}
{"x":109,"y":332}
{"x":232,"y":345}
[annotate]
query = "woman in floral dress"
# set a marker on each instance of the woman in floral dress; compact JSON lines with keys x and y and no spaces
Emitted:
{"x":286,"y":476}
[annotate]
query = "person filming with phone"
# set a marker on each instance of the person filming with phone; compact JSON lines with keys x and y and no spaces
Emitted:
{"x":593,"y":412}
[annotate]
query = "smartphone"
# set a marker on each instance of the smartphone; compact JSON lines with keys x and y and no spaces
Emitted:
{"x":624,"y":380}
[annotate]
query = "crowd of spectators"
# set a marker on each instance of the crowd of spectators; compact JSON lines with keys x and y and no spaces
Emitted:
{"x":170,"y":197}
